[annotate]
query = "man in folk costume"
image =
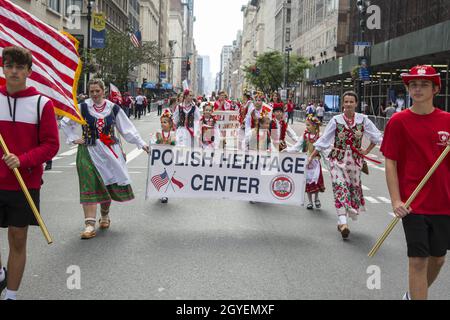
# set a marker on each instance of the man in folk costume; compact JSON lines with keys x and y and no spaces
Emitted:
{"x":187,"y":118}
{"x":222,"y":104}
{"x":29,"y":129}
{"x":165,"y":136}
{"x":101,"y":167}
{"x":279,"y":129}
{"x":254,"y":112}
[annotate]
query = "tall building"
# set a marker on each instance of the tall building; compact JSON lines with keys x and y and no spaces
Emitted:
{"x":154,"y":17}
{"x":208,"y":85}
{"x":282,"y":24}
{"x":320,"y":29}
{"x":225,"y":67}
{"x":176,"y":34}
{"x":200,"y":78}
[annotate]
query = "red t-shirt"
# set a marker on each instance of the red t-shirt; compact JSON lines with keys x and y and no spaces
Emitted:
{"x":416,"y":142}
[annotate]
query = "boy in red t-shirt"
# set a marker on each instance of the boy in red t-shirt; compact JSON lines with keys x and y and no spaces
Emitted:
{"x":413,"y":141}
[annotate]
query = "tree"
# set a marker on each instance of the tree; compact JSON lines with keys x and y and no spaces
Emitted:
{"x":119,"y":57}
{"x":267,"y":74}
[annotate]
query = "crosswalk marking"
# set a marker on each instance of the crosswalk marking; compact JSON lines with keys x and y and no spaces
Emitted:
{"x":372,"y":200}
{"x":385,"y":200}
{"x":56,"y":158}
{"x":365,"y":188}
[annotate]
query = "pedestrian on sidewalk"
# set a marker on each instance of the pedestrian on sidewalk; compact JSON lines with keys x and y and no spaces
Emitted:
{"x":314,"y":176}
{"x":101,"y":167}
{"x":28,"y":126}
{"x":320,"y":112}
{"x":413,"y":141}
{"x":347,"y":158}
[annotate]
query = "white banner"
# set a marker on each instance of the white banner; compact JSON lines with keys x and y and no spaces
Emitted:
{"x":277,"y":178}
{"x":229,"y":126}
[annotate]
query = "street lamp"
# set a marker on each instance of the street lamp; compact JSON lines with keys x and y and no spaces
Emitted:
{"x":89,"y":18}
{"x":286,"y":77}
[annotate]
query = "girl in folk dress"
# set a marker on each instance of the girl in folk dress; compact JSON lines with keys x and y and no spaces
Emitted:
{"x":258,"y":139}
{"x":165,"y":136}
{"x":347,"y":158}
{"x":209,"y":132}
{"x":280,"y":129}
{"x":186,"y":118}
{"x":102,"y":171}
{"x":314,"y":176}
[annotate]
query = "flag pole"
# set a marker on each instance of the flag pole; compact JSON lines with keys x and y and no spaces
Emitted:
{"x":408,"y":202}
{"x":28,"y":196}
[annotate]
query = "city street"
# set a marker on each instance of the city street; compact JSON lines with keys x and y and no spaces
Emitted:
{"x":211,"y":249}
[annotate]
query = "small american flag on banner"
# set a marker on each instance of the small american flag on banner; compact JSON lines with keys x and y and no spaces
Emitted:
{"x":160,"y":180}
{"x":56,"y":63}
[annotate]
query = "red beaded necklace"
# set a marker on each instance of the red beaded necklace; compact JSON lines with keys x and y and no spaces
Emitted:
{"x":351,"y":121}
{"x":100,"y":108}
{"x":165,"y":139}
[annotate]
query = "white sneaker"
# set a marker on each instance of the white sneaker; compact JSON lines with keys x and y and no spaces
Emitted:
{"x":406,"y":296}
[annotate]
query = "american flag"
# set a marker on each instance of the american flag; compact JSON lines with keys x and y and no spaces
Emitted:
{"x":136,"y":39}
{"x":160,"y":180}
{"x":56,"y":63}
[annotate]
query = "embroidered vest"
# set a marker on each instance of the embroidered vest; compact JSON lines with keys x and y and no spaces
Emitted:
{"x":94,"y":125}
{"x":347,"y":137}
{"x":190,"y":117}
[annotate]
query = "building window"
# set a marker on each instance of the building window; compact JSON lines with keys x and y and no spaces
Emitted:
{"x":288,"y":16}
{"x":55,"y":5}
{"x":288,"y":34}
{"x":78,"y":6}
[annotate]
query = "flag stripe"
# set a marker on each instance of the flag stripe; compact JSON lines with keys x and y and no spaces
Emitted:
{"x":38,"y":42}
{"x":56,"y":63}
{"x":59,"y":42}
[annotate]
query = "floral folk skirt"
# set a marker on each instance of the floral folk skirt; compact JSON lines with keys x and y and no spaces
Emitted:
{"x":347,"y":188}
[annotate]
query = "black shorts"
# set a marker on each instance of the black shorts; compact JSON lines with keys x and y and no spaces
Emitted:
{"x":427,"y":235}
{"x":15,"y":210}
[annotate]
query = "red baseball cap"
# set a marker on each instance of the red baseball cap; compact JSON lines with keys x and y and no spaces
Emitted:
{"x":422,"y":73}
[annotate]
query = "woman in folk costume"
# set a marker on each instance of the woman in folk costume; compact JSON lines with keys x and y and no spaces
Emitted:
{"x":102,"y":171}
{"x":347,"y":158}
{"x":186,"y":118}
{"x":209,"y":132}
{"x":258,"y":138}
{"x":314,"y":176}
{"x":254,"y":113}
{"x":165,"y":136}
{"x":279,"y":129}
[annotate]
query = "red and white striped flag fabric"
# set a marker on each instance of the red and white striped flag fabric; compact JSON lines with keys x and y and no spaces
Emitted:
{"x":56,"y":62}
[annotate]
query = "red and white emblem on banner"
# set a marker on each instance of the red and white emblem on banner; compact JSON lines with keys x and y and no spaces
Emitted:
{"x":282,"y":187}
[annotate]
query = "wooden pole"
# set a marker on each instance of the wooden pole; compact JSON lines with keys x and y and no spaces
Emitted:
{"x":28,"y":196}
{"x":409,"y":201}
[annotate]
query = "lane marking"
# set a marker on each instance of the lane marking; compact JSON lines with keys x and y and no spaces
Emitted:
{"x":52,"y":171}
{"x":365,"y":188}
{"x":69,"y":153}
{"x":385,"y":200}
{"x":56,"y":158}
{"x":134,"y":154}
{"x":371,"y":200}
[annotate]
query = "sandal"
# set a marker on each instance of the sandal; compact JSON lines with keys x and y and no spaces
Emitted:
{"x":344,"y":230}
{"x":89,"y":232}
{"x":318,"y":204}
{"x":104,"y":222}
{"x":310,"y":206}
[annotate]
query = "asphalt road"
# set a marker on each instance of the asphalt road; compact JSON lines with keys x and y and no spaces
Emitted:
{"x":210,"y":249}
